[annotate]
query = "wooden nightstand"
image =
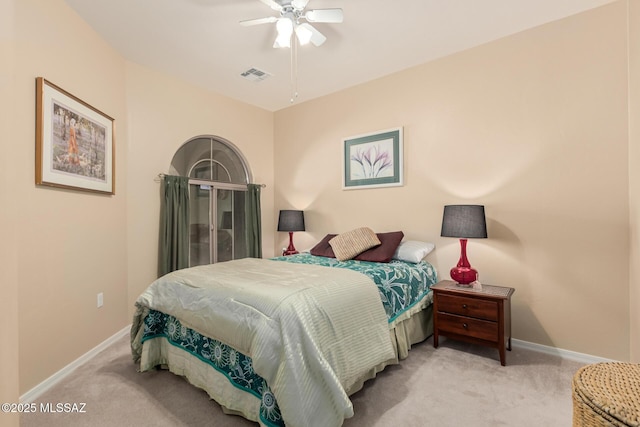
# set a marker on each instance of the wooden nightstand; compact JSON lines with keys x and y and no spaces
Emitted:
{"x":481,"y":316}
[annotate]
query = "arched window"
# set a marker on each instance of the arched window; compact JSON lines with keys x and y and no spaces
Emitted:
{"x":211,"y":158}
{"x":218,"y":177}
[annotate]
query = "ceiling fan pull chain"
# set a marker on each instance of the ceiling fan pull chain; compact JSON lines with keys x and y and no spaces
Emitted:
{"x":294,"y":68}
{"x":295,"y":64}
{"x":291,"y":72}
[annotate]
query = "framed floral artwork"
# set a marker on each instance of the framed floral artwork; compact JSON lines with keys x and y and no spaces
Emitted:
{"x":74,"y":142}
{"x":373,"y":160}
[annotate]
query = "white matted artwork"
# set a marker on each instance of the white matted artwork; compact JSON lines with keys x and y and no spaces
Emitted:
{"x":373,"y":160}
{"x":74,"y":142}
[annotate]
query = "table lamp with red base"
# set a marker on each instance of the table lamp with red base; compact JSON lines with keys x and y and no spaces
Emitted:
{"x":464,"y":221}
{"x":290,"y":220}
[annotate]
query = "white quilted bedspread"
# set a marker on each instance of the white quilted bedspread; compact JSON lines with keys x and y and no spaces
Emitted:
{"x":311,"y":331}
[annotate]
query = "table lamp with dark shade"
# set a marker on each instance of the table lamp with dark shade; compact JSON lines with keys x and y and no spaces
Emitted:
{"x":464,"y":222}
{"x":291,"y":221}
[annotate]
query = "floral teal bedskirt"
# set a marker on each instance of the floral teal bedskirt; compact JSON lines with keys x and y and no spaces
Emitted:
{"x":237,"y":367}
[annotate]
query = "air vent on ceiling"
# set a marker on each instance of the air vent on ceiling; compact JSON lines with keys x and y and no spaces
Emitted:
{"x":255,"y":75}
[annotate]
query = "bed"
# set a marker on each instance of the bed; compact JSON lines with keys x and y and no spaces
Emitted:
{"x":286,"y":340}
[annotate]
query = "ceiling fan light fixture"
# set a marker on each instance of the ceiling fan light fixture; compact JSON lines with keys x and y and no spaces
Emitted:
{"x":304,"y":34}
{"x":291,"y":13}
{"x":284,"y":26}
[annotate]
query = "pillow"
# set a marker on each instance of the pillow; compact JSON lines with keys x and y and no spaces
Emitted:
{"x":323,"y":248}
{"x":384,"y":252}
{"x":347,"y":245}
{"x":413,"y":251}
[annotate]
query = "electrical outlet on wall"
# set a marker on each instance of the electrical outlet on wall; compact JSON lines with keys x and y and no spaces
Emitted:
{"x":100,"y":300}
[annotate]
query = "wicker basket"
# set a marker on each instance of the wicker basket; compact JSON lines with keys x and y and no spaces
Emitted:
{"x":607,"y":394}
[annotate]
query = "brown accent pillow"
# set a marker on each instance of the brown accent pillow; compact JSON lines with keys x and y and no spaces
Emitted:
{"x":347,"y":245}
{"x":323,"y":248}
{"x":384,"y":252}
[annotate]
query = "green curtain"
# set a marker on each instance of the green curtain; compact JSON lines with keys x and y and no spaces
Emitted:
{"x":174,"y":224}
{"x":252,"y":221}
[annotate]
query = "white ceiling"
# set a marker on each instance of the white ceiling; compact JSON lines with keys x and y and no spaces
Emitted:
{"x":202,"y":42}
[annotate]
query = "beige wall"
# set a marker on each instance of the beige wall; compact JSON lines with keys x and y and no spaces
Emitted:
{"x":9,"y":355}
{"x":634,"y":174}
{"x":164,"y":113}
{"x":70,"y":245}
{"x":533,"y":126}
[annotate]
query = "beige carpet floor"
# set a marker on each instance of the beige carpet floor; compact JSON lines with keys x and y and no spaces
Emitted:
{"x":455,"y":385}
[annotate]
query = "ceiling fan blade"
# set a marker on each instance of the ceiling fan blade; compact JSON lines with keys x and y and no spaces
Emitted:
{"x":299,"y":4}
{"x":325,"y":15}
{"x":250,"y":22}
{"x":272,"y":4}
{"x":316,"y":37}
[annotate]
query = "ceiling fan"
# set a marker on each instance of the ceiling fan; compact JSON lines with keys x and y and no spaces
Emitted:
{"x":291,"y":13}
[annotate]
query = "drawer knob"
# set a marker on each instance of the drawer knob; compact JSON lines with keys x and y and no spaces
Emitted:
{"x":464,"y":325}
{"x":464,"y":305}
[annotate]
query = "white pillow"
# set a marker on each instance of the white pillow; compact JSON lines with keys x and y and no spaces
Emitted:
{"x":413,"y":250}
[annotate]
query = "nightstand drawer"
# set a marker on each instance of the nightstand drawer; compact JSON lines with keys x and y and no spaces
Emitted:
{"x":473,"y":307}
{"x":466,"y":326}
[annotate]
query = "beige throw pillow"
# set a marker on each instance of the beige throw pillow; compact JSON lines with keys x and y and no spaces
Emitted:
{"x":352,"y":243}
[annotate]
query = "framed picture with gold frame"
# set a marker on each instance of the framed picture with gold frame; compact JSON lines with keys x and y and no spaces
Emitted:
{"x":74,"y":142}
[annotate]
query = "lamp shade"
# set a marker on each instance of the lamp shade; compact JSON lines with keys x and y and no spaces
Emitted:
{"x":304,"y":34}
{"x":284,"y":27}
{"x":290,"y":220}
{"x":464,"y":221}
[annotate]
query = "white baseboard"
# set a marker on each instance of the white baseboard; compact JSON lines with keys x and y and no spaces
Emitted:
{"x":45,"y":385}
{"x":565,"y":354}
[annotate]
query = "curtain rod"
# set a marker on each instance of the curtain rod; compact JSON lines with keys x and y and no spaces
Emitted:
{"x":162,"y":175}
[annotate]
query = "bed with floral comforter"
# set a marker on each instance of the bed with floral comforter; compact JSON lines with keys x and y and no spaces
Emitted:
{"x":279,"y":341}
